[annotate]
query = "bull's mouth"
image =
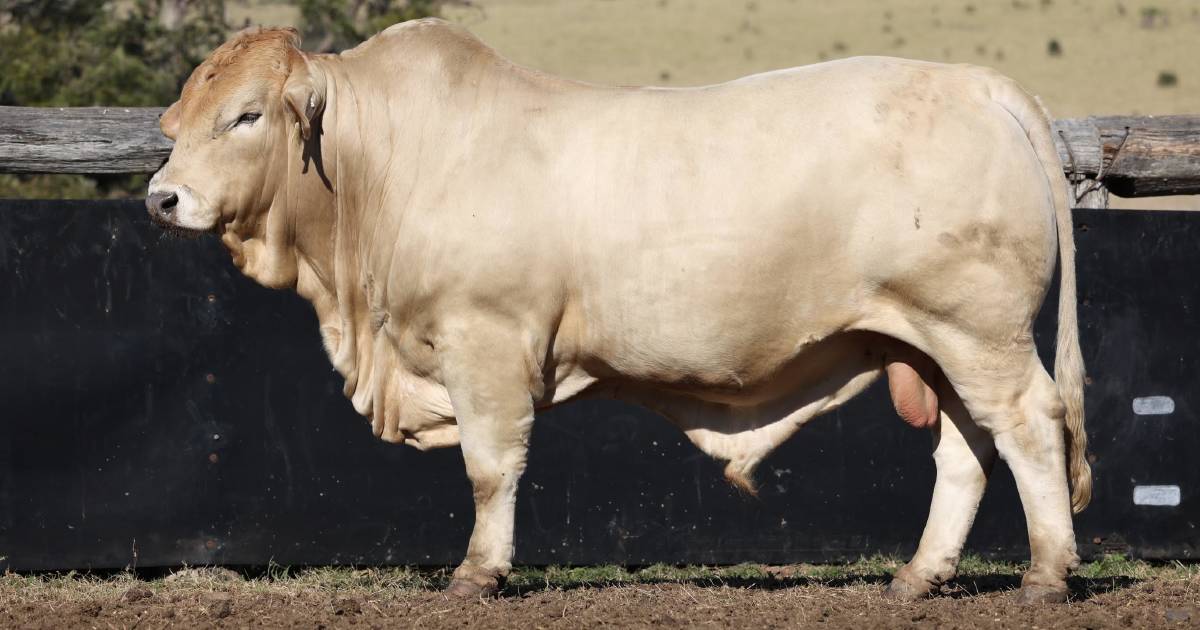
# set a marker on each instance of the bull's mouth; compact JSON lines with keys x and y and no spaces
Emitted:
{"x":179,"y":210}
{"x":177,"y":231}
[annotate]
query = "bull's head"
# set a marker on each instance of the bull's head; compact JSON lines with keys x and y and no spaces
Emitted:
{"x":254,"y":100}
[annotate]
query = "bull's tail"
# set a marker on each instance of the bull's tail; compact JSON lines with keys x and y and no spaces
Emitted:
{"x":1068,"y":360}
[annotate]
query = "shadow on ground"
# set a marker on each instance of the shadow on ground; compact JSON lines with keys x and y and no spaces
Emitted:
{"x":1081,"y":588}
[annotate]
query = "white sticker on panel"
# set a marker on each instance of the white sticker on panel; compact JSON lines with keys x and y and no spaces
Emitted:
{"x":1153,"y":406}
{"x":1156,"y":495}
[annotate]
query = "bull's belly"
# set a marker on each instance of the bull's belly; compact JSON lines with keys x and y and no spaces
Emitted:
{"x":816,"y":368}
{"x":767,"y":366}
{"x":742,"y":424}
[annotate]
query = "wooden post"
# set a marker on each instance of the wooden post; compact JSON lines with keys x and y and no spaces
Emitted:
{"x":1088,"y":193}
{"x":1147,"y":156}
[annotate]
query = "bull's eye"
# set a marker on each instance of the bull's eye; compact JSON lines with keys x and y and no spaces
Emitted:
{"x":248,"y":118}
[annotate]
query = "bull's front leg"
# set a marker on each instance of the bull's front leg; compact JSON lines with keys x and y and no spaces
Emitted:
{"x":490,"y":387}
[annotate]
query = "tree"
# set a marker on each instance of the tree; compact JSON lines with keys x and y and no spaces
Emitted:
{"x":75,"y":53}
{"x":80,"y":53}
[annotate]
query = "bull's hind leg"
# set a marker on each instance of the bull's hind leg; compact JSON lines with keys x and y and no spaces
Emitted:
{"x":964,"y":454}
{"x":1032,"y":444}
{"x":1010,"y":395}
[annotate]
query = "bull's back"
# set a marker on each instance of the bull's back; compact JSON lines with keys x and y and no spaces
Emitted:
{"x":721,"y":230}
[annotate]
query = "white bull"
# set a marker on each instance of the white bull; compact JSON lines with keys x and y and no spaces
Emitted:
{"x":481,"y":240}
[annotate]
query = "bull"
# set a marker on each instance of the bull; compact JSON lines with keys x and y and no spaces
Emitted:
{"x":481,"y":240}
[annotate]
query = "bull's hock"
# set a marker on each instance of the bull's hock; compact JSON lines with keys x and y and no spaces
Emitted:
{"x":1133,"y":156}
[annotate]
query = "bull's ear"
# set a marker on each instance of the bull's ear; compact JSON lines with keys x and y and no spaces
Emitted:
{"x":169,"y":123}
{"x":304,"y":94}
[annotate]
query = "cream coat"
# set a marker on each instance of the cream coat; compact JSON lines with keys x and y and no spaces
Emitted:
{"x":480,"y":240}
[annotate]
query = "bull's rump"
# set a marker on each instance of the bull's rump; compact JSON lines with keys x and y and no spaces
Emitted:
{"x":720,"y":230}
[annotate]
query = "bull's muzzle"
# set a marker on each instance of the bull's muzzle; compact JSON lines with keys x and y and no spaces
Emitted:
{"x":161,"y":205}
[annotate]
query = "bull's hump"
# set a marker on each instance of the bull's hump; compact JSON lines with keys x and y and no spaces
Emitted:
{"x":430,"y":35}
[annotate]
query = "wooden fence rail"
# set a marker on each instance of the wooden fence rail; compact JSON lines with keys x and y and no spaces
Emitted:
{"x":1134,"y":156}
{"x":1131,"y":156}
{"x":92,"y":140}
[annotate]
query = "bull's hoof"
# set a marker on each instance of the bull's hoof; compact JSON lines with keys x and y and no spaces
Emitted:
{"x":467,"y":589}
{"x":901,"y":591}
{"x":472,"y":582}
{"x":1037,"y":594}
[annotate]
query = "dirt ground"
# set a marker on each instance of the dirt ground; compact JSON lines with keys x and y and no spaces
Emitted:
{"x":740,"y":597}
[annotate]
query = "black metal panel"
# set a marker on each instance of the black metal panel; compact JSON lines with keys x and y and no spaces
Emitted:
{"x":159,"y":409}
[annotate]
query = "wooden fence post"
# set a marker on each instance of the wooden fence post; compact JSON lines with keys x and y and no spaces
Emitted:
{"x":1088,"y":193}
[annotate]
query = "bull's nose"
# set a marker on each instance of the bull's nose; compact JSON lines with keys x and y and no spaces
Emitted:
{"x":162,"y":203}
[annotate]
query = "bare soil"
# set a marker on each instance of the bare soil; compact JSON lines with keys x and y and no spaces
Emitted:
{"x":1164,"y":599}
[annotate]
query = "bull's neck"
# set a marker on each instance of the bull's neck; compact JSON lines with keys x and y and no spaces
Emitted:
{"x":291,"y":244}
{"x":344,"y":190}
{"x":365,"y":160}
{"x":327,"y":201}
{"x":331,"y":204}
